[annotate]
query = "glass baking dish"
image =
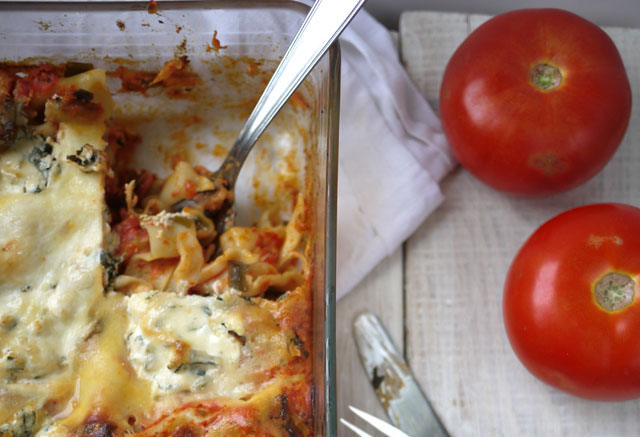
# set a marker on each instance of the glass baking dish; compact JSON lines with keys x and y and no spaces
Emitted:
{"x":111,"y":34}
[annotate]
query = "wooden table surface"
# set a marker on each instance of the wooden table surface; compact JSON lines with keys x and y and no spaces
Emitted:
{"x":440,"y":294}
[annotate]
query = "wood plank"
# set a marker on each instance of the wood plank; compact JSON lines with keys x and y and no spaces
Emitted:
{"x":427,"y":45}
{"x":380,"y":293}
{"x":457,"y":261}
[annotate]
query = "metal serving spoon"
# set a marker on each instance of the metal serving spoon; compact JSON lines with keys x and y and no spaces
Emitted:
{"x":324,"y":23}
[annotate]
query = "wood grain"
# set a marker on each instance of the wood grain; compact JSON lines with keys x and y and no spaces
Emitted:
{"x":456,"y":264}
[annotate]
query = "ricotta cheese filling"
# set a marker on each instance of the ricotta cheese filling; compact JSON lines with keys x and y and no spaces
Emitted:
{"x":193,"y":343}
{"x":182,"y":342}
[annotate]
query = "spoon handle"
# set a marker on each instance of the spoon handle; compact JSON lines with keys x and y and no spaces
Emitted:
{"x":324,"y":23}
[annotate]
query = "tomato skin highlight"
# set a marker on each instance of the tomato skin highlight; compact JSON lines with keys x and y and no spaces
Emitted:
{"x":553,"y":322}
{"x":517,"y":137}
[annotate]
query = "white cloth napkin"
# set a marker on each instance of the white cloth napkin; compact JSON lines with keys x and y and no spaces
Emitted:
{"x":392,"y":153}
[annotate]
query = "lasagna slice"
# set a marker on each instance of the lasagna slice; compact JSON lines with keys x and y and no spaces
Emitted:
{"x":52,"y":232}
{"x":123,"y":307}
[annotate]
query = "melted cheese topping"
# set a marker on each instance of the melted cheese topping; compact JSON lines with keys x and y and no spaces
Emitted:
{"x":51,"y":238}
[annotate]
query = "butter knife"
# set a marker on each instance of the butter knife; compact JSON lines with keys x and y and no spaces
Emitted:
{"x":394,"y":384}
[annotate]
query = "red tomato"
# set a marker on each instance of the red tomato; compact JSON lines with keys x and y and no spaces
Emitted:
{"x":571,"y":305}
{"x":535,"y":101}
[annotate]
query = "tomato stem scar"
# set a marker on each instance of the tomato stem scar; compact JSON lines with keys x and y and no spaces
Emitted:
{"x":546,"y":77}
{"x":614,"y":291}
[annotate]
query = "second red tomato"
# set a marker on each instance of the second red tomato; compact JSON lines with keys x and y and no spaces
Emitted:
{"x":571,"y":302}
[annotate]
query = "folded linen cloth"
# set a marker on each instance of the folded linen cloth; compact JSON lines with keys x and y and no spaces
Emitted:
{"x":392,"y":153}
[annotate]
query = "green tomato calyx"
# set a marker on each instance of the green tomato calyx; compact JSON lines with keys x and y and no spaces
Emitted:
{"x":546,"y":77}
{"x":614,"y":291}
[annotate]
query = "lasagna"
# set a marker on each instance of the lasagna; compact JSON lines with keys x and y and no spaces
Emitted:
{"x":129,"y":304}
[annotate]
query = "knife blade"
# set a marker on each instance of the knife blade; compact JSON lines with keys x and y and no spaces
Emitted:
{"x":394,"y":384}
